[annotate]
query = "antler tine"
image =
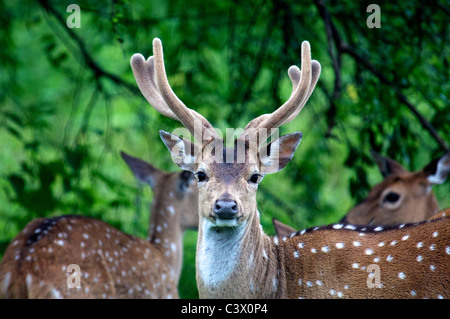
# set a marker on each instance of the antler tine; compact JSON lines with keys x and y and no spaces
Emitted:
{"x":295,"y":75}
{"x":152,"y":81}
{"x":303,"y":83}
{"x":144,"y":73}
{"x":189,"y":118}
{"x":299,"y":96}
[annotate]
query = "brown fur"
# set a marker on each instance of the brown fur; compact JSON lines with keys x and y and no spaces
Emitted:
{"x":416,"y":201}
{"x":112,"y":264}
{"x":281,"y":229}
{"x":413,"y":261}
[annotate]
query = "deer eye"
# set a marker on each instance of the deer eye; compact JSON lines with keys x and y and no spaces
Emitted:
{"x":391,"y":197}
{"x":254,"y":178}
{"x":185,"y":180}
{"x":201,"y":177}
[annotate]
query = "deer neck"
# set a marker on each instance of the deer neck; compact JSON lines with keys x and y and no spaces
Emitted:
{"x":239,"y":262}
{"x":432,"y":206}
{"x":166,"y":235}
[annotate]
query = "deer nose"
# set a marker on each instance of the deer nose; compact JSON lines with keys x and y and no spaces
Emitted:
{"x":226,"y":209}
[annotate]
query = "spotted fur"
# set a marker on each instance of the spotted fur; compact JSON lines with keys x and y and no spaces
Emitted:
{"x":413,"y":261}
{"x":113,"y":264}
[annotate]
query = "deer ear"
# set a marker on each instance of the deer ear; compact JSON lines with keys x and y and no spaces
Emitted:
{"x":275,"y":156}
{"x":282,"y":229}
{"x":438,"y":169}
{"x":183,"y":151}
{"x":387,"y":165}
{"x":143,"y":171}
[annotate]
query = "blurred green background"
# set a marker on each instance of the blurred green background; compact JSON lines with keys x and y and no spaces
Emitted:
{"x":69,"y":102}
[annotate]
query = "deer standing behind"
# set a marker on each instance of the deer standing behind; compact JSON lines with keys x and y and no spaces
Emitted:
{"x":112,"y":264}
{"x":236,"y":259}
{"x":402,"y":197}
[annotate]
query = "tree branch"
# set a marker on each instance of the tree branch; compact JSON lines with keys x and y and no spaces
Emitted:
{"x":335,"y":55}
{"x":88,"y":59}
{"x":344,"y":47}
{"x":398,"y":92}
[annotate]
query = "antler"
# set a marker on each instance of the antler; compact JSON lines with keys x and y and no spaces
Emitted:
{"x":151,"y":78}
{"x":303,"y":83}
{"x":152,"y":81}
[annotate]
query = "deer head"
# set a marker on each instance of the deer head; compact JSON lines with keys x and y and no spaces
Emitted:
{"x":174,"y":193}
{"x":403,"y":196}
{"x":227,"y":177}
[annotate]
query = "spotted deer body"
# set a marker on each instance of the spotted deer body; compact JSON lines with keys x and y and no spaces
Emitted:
{"x":402,"y":197}
{"x":442,"y":213}
{"x":411,"y":261}
{"x":112,"y":264}
{"x":236,"y":259}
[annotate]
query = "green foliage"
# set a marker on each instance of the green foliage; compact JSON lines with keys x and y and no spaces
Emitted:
{"x":69,"y":102}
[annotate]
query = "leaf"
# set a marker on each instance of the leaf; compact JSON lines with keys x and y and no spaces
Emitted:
{"x":46,"y":176}
{"x":74,"y":157}
{"x":352,"y":156}
{"x":14,"y":118}
{"x":14,"y":132}
{"x":34,"y":145}
{"x":67,"y":184}
{"x":17,"y":182}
